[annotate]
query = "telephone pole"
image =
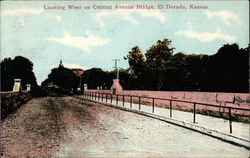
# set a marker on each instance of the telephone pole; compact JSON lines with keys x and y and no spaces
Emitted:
{"x":116,"y":67}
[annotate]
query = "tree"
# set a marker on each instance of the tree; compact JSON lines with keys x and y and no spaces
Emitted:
{"x":137,"y":66}
{"x":63,"y":77}
{"x":135,"y":59}
{"x":158,"y":62}
{"x":196,"y":67}
{"x":177,"y":73}
{"x":229,"y":68}
{"x":20,"y":67}
{"x":96,"y":77}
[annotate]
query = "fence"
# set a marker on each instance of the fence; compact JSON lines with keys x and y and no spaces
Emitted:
{"x":151,"y":100}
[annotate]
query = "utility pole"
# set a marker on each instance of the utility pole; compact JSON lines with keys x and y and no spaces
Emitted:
{"x":116,"y":67}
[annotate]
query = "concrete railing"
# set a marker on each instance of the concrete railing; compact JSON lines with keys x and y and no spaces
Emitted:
{"x":11,"y":101}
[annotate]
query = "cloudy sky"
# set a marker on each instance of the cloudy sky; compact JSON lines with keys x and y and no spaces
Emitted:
{"x":89,"y":38}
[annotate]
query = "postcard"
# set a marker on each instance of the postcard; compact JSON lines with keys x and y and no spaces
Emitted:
{"x":125,"y":78}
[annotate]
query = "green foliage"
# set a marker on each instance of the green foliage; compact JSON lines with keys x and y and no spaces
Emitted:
{"x":177,"y":72}
{"x":135,"y":59}
{"x":137,"y":67}
{"x":62,"y":77}
{"x":158,"y":63}
{"x":161,"y":69}
{"x":159,"y":54}
{"x":229,"y":67}
{"x":225,"y":71}
{"x":20,"y":67}
{"x":96,"y":77}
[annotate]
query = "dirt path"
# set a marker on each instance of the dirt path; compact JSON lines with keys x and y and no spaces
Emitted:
{"x":70,"y":127}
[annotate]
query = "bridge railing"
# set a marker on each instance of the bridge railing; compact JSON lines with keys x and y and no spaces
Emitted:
{"x":11,"y":101}
{"x":115,"y":97}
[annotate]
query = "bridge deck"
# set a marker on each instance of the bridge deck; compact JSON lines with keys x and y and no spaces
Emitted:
{"x":71,"y":127}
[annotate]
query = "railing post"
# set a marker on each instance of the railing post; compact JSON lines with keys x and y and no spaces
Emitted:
{"x":153,"y":104}
{"x":102,"y":97}
{"x":123,"y":100}
{"x":95,"y":95}
{"x":194,"y":112}
{"x":230,"y":120}
{"x":170,"y":108}
{"x":98,"y":96}
{"x":130,"y":101}
{"x":106,"y":98}
{"x":139,"y":103}
{"x":111,"y":96}
{"x":116,"y":99}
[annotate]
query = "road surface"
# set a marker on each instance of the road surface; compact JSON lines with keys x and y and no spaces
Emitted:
{"x":71,"y":127}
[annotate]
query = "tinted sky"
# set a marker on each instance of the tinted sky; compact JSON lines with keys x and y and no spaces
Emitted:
{"x":93,"y":37}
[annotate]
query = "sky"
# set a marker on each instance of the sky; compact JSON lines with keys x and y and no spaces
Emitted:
{"x":92,"y":35}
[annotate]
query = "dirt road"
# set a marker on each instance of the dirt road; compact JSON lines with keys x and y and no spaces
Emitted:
{"x":71,"y":127}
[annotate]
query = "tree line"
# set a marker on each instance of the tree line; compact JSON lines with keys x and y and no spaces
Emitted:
{"x":161,"y":69}
{"x":157,"y":69}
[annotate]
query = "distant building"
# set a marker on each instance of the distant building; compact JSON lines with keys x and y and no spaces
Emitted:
{"x":77,"y":71}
